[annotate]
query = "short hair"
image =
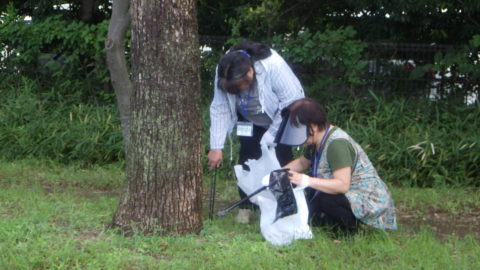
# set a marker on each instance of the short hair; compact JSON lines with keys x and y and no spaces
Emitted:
{"x":307,"y":111}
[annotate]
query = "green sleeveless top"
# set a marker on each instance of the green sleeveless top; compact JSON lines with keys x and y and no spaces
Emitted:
{"x":368,"y":195}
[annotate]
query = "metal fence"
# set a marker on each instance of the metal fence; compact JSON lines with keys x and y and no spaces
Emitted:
{"x":390,"y":67}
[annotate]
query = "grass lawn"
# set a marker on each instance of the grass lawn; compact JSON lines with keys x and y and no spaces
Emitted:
{"x":54,"y":217}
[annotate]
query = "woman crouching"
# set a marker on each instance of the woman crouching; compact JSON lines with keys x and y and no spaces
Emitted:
{"x":343,"y":187}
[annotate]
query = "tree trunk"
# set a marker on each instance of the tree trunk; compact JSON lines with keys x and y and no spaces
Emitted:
{"x":88,"y":11}
{"x":164,"y":176}
{"x":117,"y":64}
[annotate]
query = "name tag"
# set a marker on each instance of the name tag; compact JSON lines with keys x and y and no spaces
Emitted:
{"x":245,"y":129}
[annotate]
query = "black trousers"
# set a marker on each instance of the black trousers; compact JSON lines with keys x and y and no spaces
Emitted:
{"x":250,"y":149}
{"x":331,"y":210}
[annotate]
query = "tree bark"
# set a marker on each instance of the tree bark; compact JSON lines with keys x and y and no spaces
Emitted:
{"x":88,"y":11}
{"x":164,"y":176}
{"x":117,"y":64}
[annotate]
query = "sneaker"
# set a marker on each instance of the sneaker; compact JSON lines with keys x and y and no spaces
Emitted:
{"x":243,"y":216}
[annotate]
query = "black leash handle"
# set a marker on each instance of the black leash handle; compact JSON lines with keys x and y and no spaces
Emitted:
{"x":212,"y":193}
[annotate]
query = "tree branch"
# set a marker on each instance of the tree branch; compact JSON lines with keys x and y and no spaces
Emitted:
{"x":117,"y":64}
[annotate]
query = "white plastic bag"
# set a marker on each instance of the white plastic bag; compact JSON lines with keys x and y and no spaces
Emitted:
{"x":284,"y":230}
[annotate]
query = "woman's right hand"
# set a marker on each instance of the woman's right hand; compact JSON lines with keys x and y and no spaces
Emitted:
{"x":295,"y":177}
{"x":215,"y":157}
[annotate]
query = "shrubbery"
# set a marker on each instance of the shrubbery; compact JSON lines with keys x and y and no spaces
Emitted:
{"x":332,"y":60}
{"x":53,"y":78}
{"x":57,"y":127}
{"x":411,"y":142}
{"x":415,"y":142}
{"x":57,"y":53}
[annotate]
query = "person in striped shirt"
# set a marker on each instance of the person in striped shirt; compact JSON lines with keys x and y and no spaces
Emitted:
{"x":252,"y":85}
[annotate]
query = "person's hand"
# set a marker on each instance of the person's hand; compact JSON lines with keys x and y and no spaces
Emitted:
{"x":267,"y":140}
{"x":266,"y":180}
{"x":299,"y":179}
{"x":215,"y":157}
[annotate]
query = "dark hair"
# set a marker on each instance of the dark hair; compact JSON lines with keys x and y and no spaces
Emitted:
{"x":307,"y":111}
{"x":233,"y":66}
{"x":257,"y":51}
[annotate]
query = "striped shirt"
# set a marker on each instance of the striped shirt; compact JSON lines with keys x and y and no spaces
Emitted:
{"x":277,"y":88}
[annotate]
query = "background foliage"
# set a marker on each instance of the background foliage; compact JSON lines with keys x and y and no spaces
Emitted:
{"x":64,"y":55}
{"x":439,"y":21}
{"x":55,"y":126}
{"x":58,"y":104}
{"x":324,"y":57}
{"x":411,"y":142}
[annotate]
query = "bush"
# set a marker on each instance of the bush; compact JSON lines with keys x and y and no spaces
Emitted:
{"x":57,"y":127}
{"x":329,"y":60}
{"x":66,"y":55}
{"x":415,"y":142}
{"x":412,"y":142}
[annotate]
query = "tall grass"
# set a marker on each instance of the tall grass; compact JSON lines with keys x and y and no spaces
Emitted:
{"x":51,"y":126}
{"x":412,"y":142}
{"x":415,"y":142}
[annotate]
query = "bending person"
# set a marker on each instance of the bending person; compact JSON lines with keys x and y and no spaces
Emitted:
{"x":343,"y":187}
{"x":252,"y":85}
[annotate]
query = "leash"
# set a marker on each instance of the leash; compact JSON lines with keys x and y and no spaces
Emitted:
{"x":212,"y":193}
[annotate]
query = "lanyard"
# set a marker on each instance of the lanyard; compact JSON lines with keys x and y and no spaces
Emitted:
{"x":244,"y":105}
{"x":316,"y":161}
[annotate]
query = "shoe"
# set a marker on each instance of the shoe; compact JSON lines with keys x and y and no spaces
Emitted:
{"x":243,"y":216}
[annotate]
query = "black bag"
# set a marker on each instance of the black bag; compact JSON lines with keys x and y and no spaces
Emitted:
{"x":282,"y":190}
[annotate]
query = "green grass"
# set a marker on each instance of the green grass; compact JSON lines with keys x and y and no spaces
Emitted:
{"x":450,"y":200}
{"x":54,"y":217}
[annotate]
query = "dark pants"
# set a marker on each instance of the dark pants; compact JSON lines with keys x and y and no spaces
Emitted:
{"x":331,"y":210}
{"x":250,"y":149}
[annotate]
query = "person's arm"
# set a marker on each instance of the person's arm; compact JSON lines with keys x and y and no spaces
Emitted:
{"x":285,"y":85}
{"x":220,"y":117}
{"x":340,"y":157}
{"x":339,"y":184}
{"x":298,"y":165}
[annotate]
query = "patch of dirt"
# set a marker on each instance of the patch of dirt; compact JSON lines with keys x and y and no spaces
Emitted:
{"x":89,"y":234}
{"x":87,"y":192}
{"x":7,"y":211}
{"x":4,"y":184}
{"x":442,"y":223}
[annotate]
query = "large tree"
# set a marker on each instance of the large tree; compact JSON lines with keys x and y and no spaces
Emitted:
{"x":163,"y":189}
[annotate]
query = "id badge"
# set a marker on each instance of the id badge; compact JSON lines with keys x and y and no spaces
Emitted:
{"x":245,"y":129}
